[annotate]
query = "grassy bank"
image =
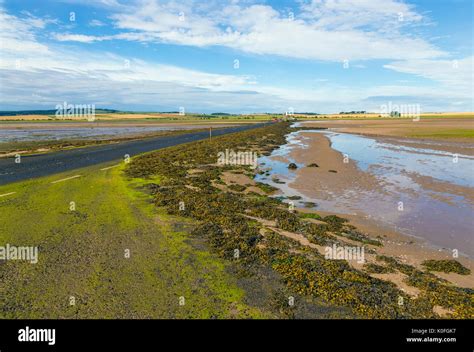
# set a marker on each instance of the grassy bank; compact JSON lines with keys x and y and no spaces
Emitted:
{"x":83,"y":255}
{"x":449,"y":134}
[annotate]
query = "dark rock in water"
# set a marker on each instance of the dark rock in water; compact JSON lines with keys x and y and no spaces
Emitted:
{"x":294,"y":198}
{"x":334,"y":171}
{"x":277,"y":180}
{"x":292,"y":166}
{"x":310,"y":205}
{"x":313,"y":165}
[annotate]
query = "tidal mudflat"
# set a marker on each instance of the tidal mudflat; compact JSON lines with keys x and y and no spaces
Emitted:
{"x":97,"y":131}
{"x":409,"y":189}
{"x":40,"y":137}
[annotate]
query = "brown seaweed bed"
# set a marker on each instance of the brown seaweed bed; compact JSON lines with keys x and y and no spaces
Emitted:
{"x":226,"y":219}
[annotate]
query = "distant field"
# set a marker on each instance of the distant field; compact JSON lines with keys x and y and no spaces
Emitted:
{"x":176,"y":118}
{"x":144,"y":117}
{"x":371,"y":116}
{"x":448,"y":126}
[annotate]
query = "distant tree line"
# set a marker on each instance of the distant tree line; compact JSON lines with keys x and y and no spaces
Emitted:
{"x":46,"y":112}
{"x":352,"y":112}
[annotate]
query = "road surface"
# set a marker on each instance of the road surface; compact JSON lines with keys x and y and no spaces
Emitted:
{"x":39,"y":165}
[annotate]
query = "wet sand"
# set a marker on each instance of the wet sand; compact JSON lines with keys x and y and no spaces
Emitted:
{"x":406,"y":128}
{"x":407,"y":249}
{"x":348,"y":189}
{"x":319,"y":181}
{"x":342,"y":192}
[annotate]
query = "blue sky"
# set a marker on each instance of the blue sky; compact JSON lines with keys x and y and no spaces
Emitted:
{"x":237,"y":56}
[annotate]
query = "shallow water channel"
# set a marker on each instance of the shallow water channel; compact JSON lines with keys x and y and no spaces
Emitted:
{"x":431,"y":184}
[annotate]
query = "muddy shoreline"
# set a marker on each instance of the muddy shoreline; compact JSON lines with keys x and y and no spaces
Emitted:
{"x":403,"y":130}
{"x":349,"y":182}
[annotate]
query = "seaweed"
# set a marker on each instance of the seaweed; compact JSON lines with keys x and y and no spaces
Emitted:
{"x":237,"y":188}
{"x":355,"y":235}
{"x":378,"y":269}
{"x":446,"y":266}
{"x":266,"y":188}
{"x":310,"y":216}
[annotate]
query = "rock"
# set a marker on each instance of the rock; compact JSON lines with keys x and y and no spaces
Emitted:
{"x":313,"y":165}
{"x":292,"y":166}
{"x":294,"y":198}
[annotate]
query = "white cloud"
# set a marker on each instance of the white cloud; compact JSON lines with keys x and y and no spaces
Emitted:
{"x":385,"y":15}
{"x":81,"y":38}
{"x":38,"y":75}
{"x":454,"y":73}
{"x":17,"y":36}
{"x":330,"y":30}
{"x":96,"y":23}
{"x":51,"y":73}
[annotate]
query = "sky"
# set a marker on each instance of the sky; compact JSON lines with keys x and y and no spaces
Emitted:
{"x":233,"y":56}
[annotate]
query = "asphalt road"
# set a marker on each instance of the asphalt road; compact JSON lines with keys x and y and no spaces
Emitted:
{"x":51,"y":163}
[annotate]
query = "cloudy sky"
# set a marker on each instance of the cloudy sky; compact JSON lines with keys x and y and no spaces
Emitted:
{"x":237,"y":56}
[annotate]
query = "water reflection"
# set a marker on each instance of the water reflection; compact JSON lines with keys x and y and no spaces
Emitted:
{"x":443,"y":218}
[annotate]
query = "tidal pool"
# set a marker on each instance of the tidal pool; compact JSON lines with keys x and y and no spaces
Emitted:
{"x":431,"y":184}
{"x":399,"y":159}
